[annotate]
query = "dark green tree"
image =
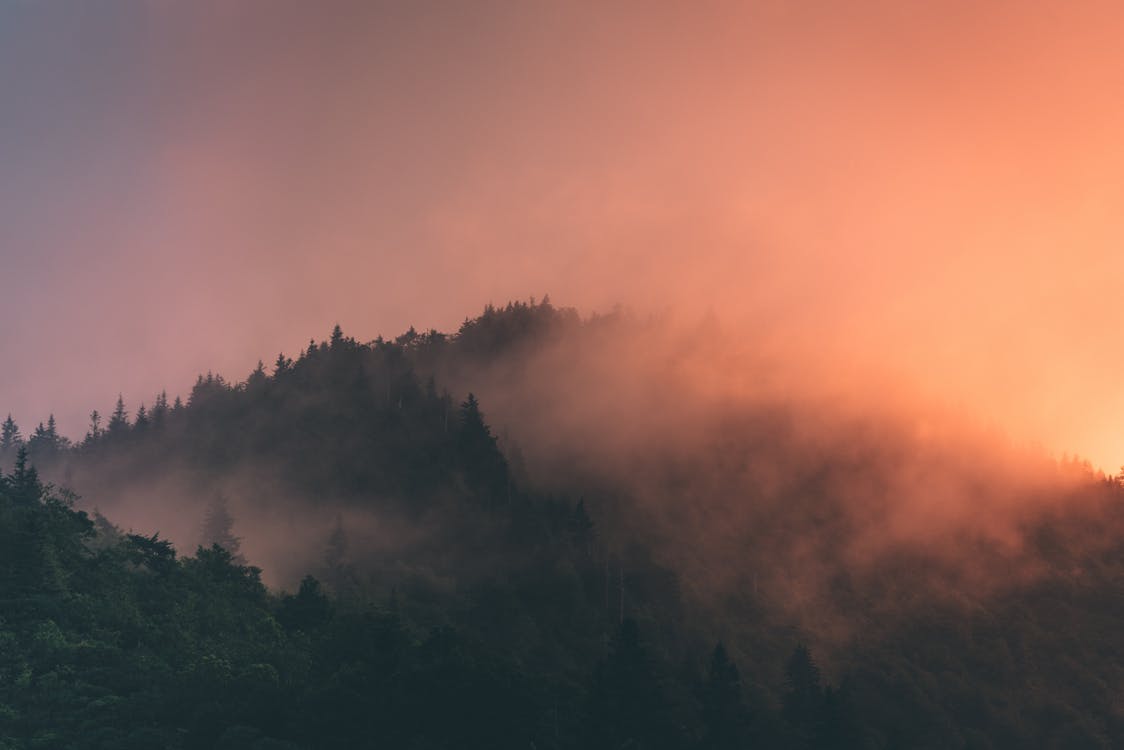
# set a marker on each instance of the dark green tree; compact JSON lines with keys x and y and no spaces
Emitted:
{"x":725,"y":719}
{"x":218,"y":529}
{"x":140,"y":423}
{"x":10,"y":437}
{"x":95,"y":433}
{"x":258,"y":377}
{"x":627,"y":707}
{"x":282,"y":366}
{"x":119,"y":420}
{"x":159,"y":410}
{"x":484,"y":466}
{"x":804,"y":696}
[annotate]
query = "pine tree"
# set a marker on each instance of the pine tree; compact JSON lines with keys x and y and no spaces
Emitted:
{"x":804,"y":696}
{"x":218,"y":529}
{"x":282,"y":366}
{"x":24,"y":479}
{"x":119,"y":421}
{"x":258,"y":377}
{"x":484,"y":466}
{"x":838,"y":727}
{"x":159,"y":410}
{"x":140,"y":424}
{"x":95,"y":433}
{"x":724,"y":715}
{"x":40,"y":444}
{"x":627,"y":708}
{"x":336,"y":554}
{"x":10,"y":437}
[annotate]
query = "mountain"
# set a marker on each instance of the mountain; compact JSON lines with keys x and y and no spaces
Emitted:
{"x":550,"y":531}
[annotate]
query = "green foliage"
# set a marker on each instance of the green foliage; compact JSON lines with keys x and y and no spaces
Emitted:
{"x":520,"y":619}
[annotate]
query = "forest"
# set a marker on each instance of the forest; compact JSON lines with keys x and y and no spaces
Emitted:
{"x":515,"y":536}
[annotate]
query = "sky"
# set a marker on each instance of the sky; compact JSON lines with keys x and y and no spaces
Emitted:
{"x":926,"y":190}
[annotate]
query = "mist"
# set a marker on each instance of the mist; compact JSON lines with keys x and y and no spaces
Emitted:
{"x":917,"y":197}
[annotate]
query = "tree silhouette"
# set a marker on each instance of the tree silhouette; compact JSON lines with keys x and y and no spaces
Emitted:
{"x":484,"y":466}
{"x":10,"y":437}
{"x":627,"y":708}
{"x":218,"y":529}
{"x":335,"y":556}
{"x":119,"y":420}
{"x":140,"y":423}
{"x":725,"y":720}
{"x":95,"y":432}
{"x":804,"y":696}
{"x":282,"y":366}
{"x":159,"y":410}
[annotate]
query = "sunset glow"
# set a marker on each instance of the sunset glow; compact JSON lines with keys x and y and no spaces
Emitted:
{"x":561,"y":374}
{"x":932,"y":188}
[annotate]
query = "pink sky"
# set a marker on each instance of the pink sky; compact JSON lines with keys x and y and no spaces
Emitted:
{"x":927,"y":189}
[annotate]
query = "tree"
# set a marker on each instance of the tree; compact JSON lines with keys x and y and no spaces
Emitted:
{"x":335,"y":555}
{"x":838,"y":727}
{"x":218,"y":529}
{"x":141,"y":422}
{"x":95,"y":432}
{"x":159,"y":410}
{"x":804,"y":696}
{"x":308,"y":609}
{"x":257,"y":377}
{"x":282,"y":366}
{"x":725,"y":719}
{"x":484,"y":466}
{"x":24,"y":479}
{"x":119,"y":420}
{"x":627,"y":707}
{"x":10,"y":437}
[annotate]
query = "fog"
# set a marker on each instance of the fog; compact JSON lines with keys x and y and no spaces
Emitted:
{"x":880,"y":241}
{"x":925,"y":196}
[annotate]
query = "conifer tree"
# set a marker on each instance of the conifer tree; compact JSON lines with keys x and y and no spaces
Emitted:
{"x":45,"y":441}
{"x":336,"y":554}
{"x":10,"y":437}
{"x":140,"y":424}
{"x":24,"y":479}
{"x":218,"y":528}
{"x":724,"y":716}
{"x":95,"y":432}
{"x":484,"y":465}
{"x":159,"y":410}
{"x":804,"y":696}
{"x":257,"y":378}
{"x":119,"y":420}
{"x":627,"y":708}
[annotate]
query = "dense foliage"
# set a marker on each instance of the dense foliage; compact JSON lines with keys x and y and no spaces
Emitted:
{"x":505,"y":616}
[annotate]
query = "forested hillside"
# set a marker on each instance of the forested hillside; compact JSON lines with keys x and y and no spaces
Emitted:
{"x":347,"y":549}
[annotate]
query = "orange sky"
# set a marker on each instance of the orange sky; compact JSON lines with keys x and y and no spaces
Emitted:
{"x":929,"y":189}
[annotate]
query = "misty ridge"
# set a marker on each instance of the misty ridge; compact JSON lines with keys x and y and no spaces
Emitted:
{"x":573,"y":492}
